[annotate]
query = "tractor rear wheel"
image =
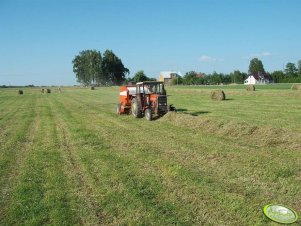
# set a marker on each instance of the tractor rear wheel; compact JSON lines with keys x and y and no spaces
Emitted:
{"x":148,"y":114}
{"x":136,"y":108}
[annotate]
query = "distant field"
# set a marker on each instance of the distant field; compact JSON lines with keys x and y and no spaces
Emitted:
{"x":68,"y":159}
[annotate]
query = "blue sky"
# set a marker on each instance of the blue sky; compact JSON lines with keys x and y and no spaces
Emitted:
{"x":39,"y":39}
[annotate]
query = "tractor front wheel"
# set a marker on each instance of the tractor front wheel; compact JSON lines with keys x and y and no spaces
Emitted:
{"x":136,"y":109}
{"x":148,"y":114}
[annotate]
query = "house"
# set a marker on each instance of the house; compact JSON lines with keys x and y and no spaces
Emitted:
{"x":200,"y":75}
{"x":258,"y":78}
{"x":168,"y":76}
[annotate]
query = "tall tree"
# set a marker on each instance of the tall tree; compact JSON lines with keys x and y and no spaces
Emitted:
{"x":113,"y":67}
{"x":190,"y":78}
{"x":237,"y":77}
{"x":278,"y":76}
{"x":91,"y":68}
{"x":291,"y":70}
{"x":87,"y":67}
{"x":256,"y":66}
{"x":227,"y":79}
{"x":140,"y":77}
{"x":216,"y":78}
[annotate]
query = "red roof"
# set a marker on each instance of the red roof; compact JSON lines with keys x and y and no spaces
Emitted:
{"x":200,"y":75}
{"x":260,"y":75}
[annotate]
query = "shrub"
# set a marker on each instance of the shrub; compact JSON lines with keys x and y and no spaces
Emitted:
{"x":48,"y":90}
{"x":92,"y":88}
{"x":20,"y":91}
{"x":218,"y":95}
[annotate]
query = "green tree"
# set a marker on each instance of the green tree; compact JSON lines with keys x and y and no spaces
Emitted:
{"x":177,"y":81}
{"x":113,"y":68}
{"x":190,"y":78}
{"x":256,"y":66}
{"x":87,"y":67}
{"x":299,"y":67}
{"x":216,"y":78}
{"x":227,"y":79}
{"x":237,"y":77}
{"x":291,"y":70}
{"x":140,"y":77}
{"x":278,"y":76}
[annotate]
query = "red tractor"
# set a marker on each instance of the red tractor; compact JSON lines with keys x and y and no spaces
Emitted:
{"x":144,"y":98}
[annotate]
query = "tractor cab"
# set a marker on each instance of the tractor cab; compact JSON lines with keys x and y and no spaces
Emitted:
{"x":150,"y":88}
{"x":150,"y":99}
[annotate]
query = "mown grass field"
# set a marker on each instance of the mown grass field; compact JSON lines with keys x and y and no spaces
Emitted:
{"x":68,"y":159}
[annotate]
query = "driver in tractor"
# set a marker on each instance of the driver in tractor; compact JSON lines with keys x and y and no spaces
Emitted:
{"x":149,"y":89}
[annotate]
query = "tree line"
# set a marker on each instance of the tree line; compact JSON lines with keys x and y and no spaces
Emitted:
{"x":93,"y":68}
{"x":291,"y":74}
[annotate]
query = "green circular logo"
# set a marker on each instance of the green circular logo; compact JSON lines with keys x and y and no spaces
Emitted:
{"x":280,"y":214}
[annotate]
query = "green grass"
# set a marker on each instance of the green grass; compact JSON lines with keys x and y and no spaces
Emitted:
{"x":68,"y":159}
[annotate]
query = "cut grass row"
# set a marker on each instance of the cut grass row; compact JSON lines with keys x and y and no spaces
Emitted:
{"x":128,"y":125}
{"x":279,"y":108}
{"x":97,"y":168}
{"x":14,"y":135}
{"x":38,"y":193}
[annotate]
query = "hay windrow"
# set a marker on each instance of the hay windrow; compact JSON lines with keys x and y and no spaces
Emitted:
{"x":218,"y":95}
{"x":296,"y":87}
{"x":250,"y":88}
{"x":258,"y":136}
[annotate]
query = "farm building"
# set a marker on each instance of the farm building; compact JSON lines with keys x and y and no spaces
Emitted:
{"x":258,"y":78}
{"x":200,"y":75}
{"x":168,"y":76}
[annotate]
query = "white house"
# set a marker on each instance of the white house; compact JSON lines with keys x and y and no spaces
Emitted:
{"x":258,"y":78}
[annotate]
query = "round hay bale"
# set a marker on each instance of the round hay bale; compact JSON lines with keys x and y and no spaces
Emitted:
{"x":48,"y":90}
{"x":20,"y":92}
{"x":250,"y":88}
{"x":218,"y":95}
{"x":296,"y":87}
{"x":92,"y":88}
